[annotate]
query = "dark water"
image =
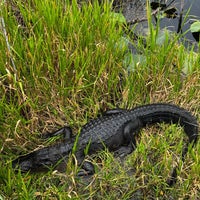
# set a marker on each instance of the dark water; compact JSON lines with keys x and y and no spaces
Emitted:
{"x":191,"y":12}
{"x":190,"y":9}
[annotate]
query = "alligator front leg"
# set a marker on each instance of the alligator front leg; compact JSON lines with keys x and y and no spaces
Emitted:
{"x":86,"y":167}
{"x":65,"y":131}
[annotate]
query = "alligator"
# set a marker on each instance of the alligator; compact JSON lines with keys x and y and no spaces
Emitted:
{"x":115,"y":130}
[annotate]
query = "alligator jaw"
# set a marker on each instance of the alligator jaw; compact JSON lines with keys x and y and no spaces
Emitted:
{"x":23,"y":163}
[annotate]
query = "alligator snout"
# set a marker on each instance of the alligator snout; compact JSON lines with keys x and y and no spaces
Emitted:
{"x":23,"y":163}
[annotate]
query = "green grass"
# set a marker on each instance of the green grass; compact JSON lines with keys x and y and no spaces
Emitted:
{"x":68,"y":63}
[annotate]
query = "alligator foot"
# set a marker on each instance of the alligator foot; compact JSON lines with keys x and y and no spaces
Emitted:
{"x":86,"y":169}
{"x":123,"y":151}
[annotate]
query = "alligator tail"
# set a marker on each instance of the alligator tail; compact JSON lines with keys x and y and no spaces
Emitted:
{"x":168,"y":113}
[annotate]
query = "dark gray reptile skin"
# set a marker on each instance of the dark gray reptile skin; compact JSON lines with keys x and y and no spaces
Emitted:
{"x":116,"y":130}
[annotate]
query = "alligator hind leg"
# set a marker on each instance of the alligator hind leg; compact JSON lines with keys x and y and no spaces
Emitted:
{"x":131,"y":130}
{"x":65,"y":131}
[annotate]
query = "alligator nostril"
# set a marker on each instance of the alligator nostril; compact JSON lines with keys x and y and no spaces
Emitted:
{"x":23,"y":164}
